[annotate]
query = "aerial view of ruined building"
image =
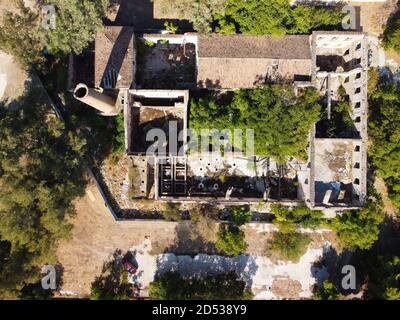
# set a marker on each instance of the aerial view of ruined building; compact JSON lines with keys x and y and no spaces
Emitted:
{"x":150,"y":78}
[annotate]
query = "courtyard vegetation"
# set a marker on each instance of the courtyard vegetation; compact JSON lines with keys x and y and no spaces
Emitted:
{"x":288,"y":243}
{"x":280,"y":120}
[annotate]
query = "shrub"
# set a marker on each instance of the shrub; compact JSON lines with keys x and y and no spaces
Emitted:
{"x":290,"y":246}
{"x":328,"y":291}
{"x":358,"y":228}
{"x":240,"y":215}
{"x":172,"y":211}
{"x":288,"y":220}
{"x":231,"y":240}
{"x":171,"y":286}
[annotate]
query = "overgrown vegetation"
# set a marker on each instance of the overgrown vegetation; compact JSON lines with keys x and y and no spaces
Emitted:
{"x":172,"y":211}
{"x":257,"y":17}
{"x":391,"y":34}
{"x":328,"y":291}
{"x":288,"y":243}
{"x":231,"y":240}
{"x":118,"y":144}
{"x":23,"y":35}
{"x":288,"y":220}
{"x":281,"y":122}
{"x":171,"y":286}
{"x":382,"y":275}
{"x":41,"y":171}
{"x":384,"y":132}
{"x":289,"y":246}
{"x":359,"y":228}
{"x":240,"y":215}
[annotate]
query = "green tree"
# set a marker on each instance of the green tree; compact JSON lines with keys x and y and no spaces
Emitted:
{"x":20,"y":35}
{"x":199,"y":12}
{"x":288,"y":220}
{"x":240,"y":215}
{"x":358,"y":228}
{"x":281,"y":121}
{"x":171,"y":286}
{"x":289,"y":246}
{"x":41,"y":171}
{"x":76,"y":24}
{"x":328,"y":291}
{"x":118,"y":144}
{"x":383,"y":129}
{"x":391,"y":34}
{"x":382,"y":276}
{"x":305,"y":19}
{"x":24,"y":36}
{"x":231,"y":240}
{"x":258,"y":17}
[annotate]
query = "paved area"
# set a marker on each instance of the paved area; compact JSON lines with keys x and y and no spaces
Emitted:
{"x":267,"y":279}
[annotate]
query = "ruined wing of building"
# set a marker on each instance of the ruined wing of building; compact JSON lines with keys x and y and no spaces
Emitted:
{"x":150,"y":78}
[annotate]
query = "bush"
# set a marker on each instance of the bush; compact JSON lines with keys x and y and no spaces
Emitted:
{"x":290,"y":246}
{"x":391,"y":34}
{"x":328,"y":291}
{"x":172,"y":212}
{"x":171,"y":286}
{"x":358,"y":228}
{"x":23,"y":36}
{"x":240,"y":215}
{"x":118,"y":144}
{"x":231,"y":240}
{"x":288,"y":220}
{"x":384,"y":131}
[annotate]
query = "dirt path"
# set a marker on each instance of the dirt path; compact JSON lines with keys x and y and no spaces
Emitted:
{"x":380,"y":186}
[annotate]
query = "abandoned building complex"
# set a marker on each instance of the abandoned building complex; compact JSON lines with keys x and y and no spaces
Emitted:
{"x":150,"y":78}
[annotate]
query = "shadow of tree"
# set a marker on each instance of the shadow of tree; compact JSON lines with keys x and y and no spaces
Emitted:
{"x":190,"y":242}
{"x":112,"y":284}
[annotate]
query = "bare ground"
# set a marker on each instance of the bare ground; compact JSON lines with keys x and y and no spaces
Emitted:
{"x":380,"y":186}
{"x":374,"y":16}
{"x":96,"y":235}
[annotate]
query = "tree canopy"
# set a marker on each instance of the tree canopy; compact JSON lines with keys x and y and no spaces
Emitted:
{"x":240,"y":215}
{"x":231,"y":240}
{"x":23,"y":35}
{"x":383,"y":278}
{"x":289,"y":246}
{"x":289,"y":220}
{"x":171,"y":286}
{"x":41,"y":172}
{"x":328,"y":291}
{"x":359,"y":228}
{"x":280,"y":120}
{"x":257,"y":17}
{"x":384,"y":131}
{"x":391,"y":34}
